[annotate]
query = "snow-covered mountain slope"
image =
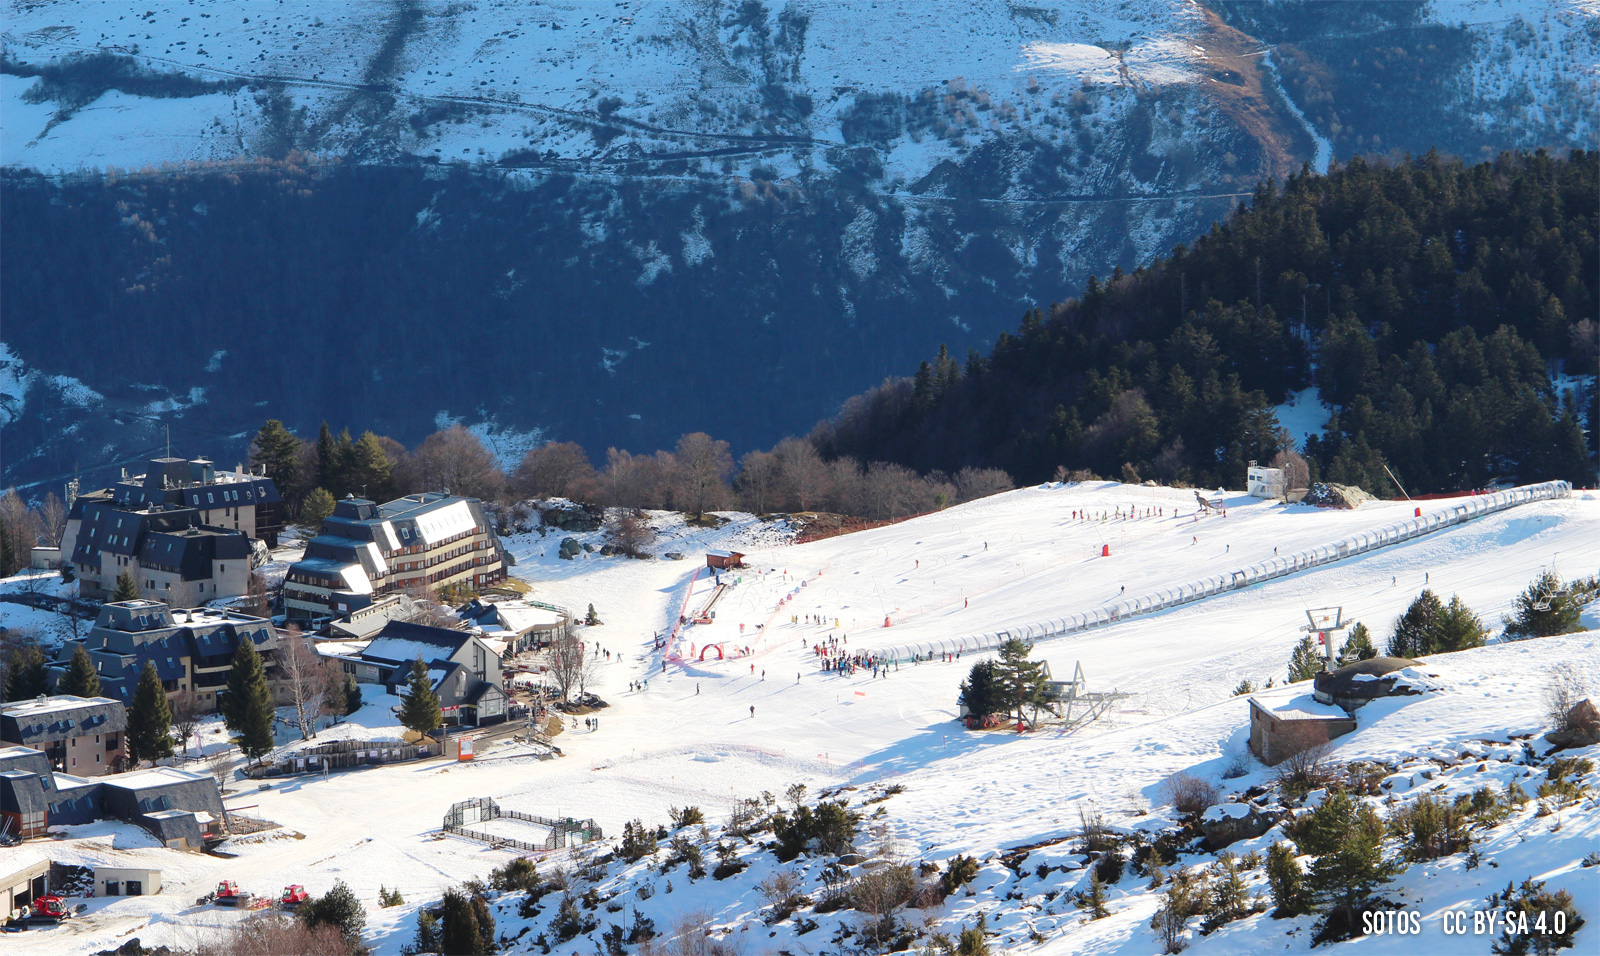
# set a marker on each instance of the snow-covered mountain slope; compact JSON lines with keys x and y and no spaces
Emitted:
{"x":868,"y":179}
{"x":690,"y":737}
{"x":519,"y":83}
{"x":525,"y":84}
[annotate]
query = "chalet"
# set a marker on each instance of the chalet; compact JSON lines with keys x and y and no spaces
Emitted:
{"x":417,"y":543}
{"x":191,"y":648}
{"x":463,"y":668}
{"x":724,"y":560}
{"x":78,"y":735}
{"x":521,"y":625}
{"x":185,"y":532}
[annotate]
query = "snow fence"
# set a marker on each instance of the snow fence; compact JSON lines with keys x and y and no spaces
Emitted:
{"x":1279,"y":566}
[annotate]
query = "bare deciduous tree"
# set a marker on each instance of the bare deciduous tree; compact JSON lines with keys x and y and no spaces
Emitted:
{"x":1296,"y":473}
{"x":973,"y":483}
{"x":555,"y":470}
{"x":691,"y":936}
{"x":453,"y":460}
{"x":802,"y":474}
{"x":572,"y":667}
{"x":306,"y":674}
{"x":759,"y":472}
{"x":271,"y":934}
{"x":704,"y":464}
{"x":630,"y":534}
{"x":52,"y":519}
{"x":186,"y":715}
{"x":220,"y":763}
{"x":1564,"y":687}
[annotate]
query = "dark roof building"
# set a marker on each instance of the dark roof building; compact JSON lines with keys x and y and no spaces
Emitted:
{"x":183,"y":809}
{"x":191,"y":649}
{"x":182,"y":530}
{"x":462,"y":666}
{"x":420,"y":542}
{"x":77,"y":734}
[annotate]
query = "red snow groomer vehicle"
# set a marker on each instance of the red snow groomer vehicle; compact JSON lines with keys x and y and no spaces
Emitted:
{"x":47,"y":911}
{"x":228,"y":893}
{"x":292,"y":897}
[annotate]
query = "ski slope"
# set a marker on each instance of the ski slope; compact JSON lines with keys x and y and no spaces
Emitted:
{"x":691,"y":738}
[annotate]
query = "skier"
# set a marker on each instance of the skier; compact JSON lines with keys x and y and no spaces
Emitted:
{"x":697,"y":688}
{"x":752,"y":711}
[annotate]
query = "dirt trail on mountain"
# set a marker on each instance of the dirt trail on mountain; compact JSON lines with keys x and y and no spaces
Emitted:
{"x":1248,"y":93}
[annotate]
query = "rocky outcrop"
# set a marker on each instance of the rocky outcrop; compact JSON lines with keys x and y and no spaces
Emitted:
{"x":1227,"y":823}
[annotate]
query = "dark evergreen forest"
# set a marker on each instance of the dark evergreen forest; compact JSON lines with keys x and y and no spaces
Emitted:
{"x":1438,"y":306}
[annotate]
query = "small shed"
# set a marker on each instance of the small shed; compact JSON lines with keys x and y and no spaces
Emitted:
{"x":724,"y":560}
{"x":1281,"y":728}
{"x":1264,"y":482}
{"x":126,"y":881}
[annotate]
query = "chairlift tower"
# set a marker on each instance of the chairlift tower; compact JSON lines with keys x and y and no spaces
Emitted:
{"x":1327,"y":623}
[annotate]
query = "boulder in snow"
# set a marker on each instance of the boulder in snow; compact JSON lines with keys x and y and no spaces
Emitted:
{"x":1228,"y":823}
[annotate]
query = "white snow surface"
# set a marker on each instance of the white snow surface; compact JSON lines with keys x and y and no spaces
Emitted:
{"x":513,"y":76}
{"x":691,"y":737}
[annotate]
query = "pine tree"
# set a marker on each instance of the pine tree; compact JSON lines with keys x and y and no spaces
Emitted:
{"x":1305,"y":662}
{"x":149,"y":719}
{"x":278,"y":451}
{"x":974,"y":939}
{"x":127,"y":588}
{"x":8,"y":552}
{"x":1229,"y":897}
{"x":1358,"y":646}
{"x":1287,"y":881}
{"x":80,"y":679}
{"x":1412,"y":632}
{"x":1244,"y":687}
{"x":980,"y":692}
{"x":371,"y":469}
{"x":420,"y":712}
{"x":1021,"y":682}
{"x":339,"y":908}
{"x":352,"y":695}
{"x":326,"y":467}
{"x":247,"y":707}
{"x":1347,"y":876}
{"x":1457,"y":628}
{"x":319,"y":504}
{"x":1561,"y":611}
{"x":341,"y":480}
{"x":459,"y":932}
{"x":591,"y":618}
{"x":1094,"y":898}
{"x":427,"y":938}
{"x":26,"y":676}
{"x":485,"y":921}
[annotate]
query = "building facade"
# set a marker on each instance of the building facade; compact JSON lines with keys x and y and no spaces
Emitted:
{"x":418,"y":544}
{"x":464,"y":668}
{"x":185,"y":532}
{"x":85,"y":736}
{"x":192,"y":650}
